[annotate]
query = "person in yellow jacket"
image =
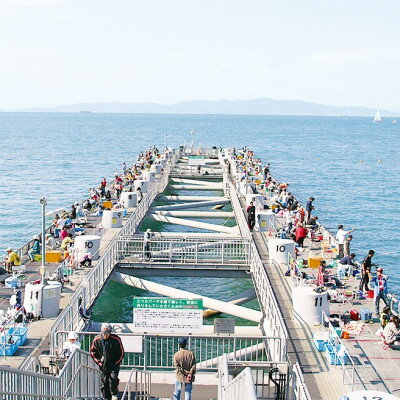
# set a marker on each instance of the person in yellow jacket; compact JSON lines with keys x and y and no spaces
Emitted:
{"x":13,"y":259}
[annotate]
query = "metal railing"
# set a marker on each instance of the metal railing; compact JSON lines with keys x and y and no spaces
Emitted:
{"x":273,"y":323}
{"x":79,"y":377}
{"x":271,"y":380}
{"x":341,"y":356}
{"x":92,"y":283}
{"x":239,"y":214}
{"x":239,"y":388}
{"x":156,"y":351}
{"x":300,"y":391}
{"x":179,"y":250}
{"x":138,"y":386}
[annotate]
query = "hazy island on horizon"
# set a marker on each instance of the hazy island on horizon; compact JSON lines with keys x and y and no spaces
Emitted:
{"x":261,"y":106}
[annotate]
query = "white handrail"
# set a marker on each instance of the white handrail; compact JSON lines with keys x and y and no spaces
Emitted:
{"x":239,"y":388}
{"x":79,"y":377}
{"x":300,"y":390}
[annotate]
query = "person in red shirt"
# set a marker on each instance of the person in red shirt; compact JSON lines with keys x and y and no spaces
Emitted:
{"x":301,"y":234}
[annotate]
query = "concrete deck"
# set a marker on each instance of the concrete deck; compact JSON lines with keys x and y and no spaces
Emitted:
{"x":38,"y":330}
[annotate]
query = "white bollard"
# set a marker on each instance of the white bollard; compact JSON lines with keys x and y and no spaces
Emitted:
{"x":149,"y":176}
{"x":264,"y":220}
{"x":279,"y":250}
{"x":86,"y":243}
{"x":128,"y":199}
{"x":308,"y":304}
{"x":112,"y":219}
{"x":257,"y":199}
{"x":143,"y":184}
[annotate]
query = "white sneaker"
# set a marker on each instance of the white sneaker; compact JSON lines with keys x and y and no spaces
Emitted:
{"x":114,"y":397}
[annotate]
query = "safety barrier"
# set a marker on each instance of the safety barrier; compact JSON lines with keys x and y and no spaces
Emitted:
{"x":92,"y":283}
{"x":273,"y":322}
{"x":138,"y":386}
{"x":239,"y":388}
{"x":80,"y":376}
{"x":299,"y":388}
{"x":191,"y":250}
{"x":341,"y":355}
{"x":157,"y":350}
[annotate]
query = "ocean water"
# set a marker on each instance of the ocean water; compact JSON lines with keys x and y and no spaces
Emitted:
{"x":350,"y":165}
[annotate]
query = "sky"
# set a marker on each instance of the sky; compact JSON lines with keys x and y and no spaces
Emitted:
{"x":342,"y":52}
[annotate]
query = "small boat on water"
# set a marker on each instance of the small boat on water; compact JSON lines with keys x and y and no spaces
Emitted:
{"x":377,"y":118}
{"x":394,"y":121}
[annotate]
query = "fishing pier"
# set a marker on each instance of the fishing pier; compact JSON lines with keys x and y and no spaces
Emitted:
{"x":270,"y":354}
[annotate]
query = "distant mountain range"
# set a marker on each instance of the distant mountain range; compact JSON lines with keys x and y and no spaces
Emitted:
{"x":262,"y":106}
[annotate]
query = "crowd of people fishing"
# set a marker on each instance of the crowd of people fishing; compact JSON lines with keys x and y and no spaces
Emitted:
{"x":299,"y":223}
{"x":67,"y":224}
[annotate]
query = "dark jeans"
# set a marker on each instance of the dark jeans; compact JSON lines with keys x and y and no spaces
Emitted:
{"x":364,"y":282}
{"x":147,"y":253}
{"x":251,"y":223}
{"x":109,"y":382}
{"x":341,"y":251}
{"x":378,"y":299}
{"x":300,"y":241}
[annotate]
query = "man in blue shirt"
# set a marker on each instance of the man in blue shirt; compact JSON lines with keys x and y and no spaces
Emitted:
{"x":348,"y":260}
{"x":309,"y":207}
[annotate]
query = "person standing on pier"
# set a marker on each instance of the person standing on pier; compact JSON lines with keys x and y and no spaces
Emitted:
{"x":341,"y":235}
{"x":346,"y":245}
{"x":309,"y":207}
{"x":380,"y":289}
{"x":107,"y":351}
{"x":251,"y":215}
{"x":185,"y":370}
{"x":366,"y":270}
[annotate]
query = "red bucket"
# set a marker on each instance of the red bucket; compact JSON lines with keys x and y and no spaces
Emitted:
{"x":370,"y":294}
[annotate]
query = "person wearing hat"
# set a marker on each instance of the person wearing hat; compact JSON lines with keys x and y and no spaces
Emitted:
{"x":107,"y":351}
{"x":185,"y":370}
{"x":51,"y":242}
{"x":12,"y":259}
{"x":379,"y":283}
{"x":70,"y":344}
{"x":35,"y":250}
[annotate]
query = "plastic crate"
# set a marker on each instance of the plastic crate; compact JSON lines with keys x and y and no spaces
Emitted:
{"x":320,"y":344}
{"x":21,"y":332}
{"x":365,"y":314}
{"x":10,"y":348}
{"x":331,"y":355}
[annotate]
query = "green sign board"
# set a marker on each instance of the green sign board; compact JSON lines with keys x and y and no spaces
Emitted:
{"x":179,"y":304}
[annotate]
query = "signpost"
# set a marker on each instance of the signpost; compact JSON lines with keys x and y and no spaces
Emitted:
{"x":224,"y":325}
{"x":162,"y":315}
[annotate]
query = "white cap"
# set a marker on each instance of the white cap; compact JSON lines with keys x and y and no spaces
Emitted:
{"x":148,"y":230}
{"x":106,"y":327}
{"x":35,"y":237}
{"x":9,"y":249}
{"x":72,"y":335}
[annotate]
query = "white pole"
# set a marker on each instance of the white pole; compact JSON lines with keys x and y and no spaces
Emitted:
{"x":224,"y":307}
{"x":43,"y":202}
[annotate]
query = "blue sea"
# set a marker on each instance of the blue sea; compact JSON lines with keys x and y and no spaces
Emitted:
{"x":350,"y":165}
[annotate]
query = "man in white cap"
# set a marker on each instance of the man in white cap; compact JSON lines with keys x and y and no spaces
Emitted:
{"x":70,"y":344}
{"x":13,"y":259}
{"x":107,"y":351}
